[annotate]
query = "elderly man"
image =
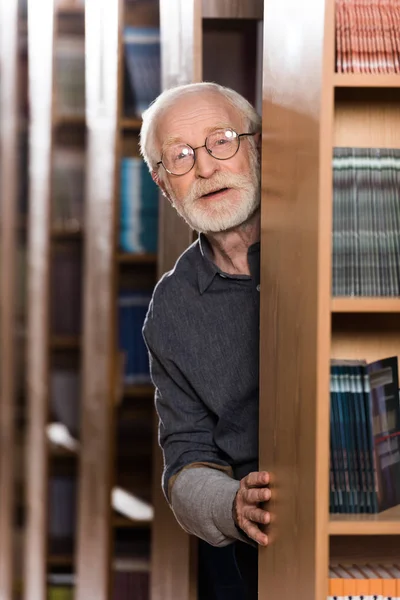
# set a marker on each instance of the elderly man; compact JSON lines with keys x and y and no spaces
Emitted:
{"x":201,"y":143}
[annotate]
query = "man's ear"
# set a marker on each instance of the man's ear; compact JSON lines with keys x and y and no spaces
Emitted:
{"x":157,"y":179}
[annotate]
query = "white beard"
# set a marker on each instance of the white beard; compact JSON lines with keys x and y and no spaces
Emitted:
{"x":212,"y":216}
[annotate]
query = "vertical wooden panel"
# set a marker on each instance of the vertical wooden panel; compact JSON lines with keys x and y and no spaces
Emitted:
{"x":295,"y":286}
{"x":40,"y":51}
{"x":96,"y":457}
{"x":9,"y":208}
{"x":173,"y":570}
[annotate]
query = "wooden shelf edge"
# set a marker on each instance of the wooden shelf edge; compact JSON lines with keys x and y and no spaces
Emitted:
{"x":365,"y":305}
{"x":138,"y":391}
{"x":384,"y":523}
{"x":130,"y":258}
{"x":133,"y":124}
{"x":365,"y":80}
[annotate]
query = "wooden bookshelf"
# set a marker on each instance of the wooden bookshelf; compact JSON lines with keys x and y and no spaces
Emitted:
{"x":69,"y":120}
{"x":65,"y":342}
{"x":384,"y":523}
{"x":365,"y":305}
{"x":302,"y":327}
{"x":10,"y":175}
{"x":365,"y":80}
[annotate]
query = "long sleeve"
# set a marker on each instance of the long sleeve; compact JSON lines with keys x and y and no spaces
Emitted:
{"x":202,"y":500}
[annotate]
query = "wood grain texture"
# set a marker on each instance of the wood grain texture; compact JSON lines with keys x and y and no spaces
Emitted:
{"x":40,"y":49}
{"x":173,"y":561}
{"x":103,"y":27}
{"x":365,"y":305}
{"x":365,"y":80}
{"x":9,"y":206}
{"x":369,"y":337}
{"x":295,"y":300}
{"x":232,"y":9}
{"x":374,"y":548}
{"x":367,"y":117}
{"x":384,"y":523}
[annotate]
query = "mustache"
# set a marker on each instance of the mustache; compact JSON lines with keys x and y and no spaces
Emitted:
{"x":219,"y":181}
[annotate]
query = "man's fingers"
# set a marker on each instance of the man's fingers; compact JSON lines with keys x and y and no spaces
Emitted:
{"x":256,"y":479}
{"x":255,"y":533}
{"x":256,"y":495}
{"x":257,"y":515}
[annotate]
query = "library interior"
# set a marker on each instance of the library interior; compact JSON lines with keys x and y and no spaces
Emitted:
{"x":86,"y":235}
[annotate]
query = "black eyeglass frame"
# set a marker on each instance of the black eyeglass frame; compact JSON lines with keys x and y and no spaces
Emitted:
{"x":239,"y":135}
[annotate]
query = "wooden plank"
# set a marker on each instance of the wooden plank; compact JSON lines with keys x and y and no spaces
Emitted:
{"x":295,"y":300}
{"x":364,"y":549}
{"x":233,"y":9}
{"x":384,"y":523}
{"x":365,"y":80}
{"x":366,"y":305}
{"x":40,"y":49}
{"x":99,"y":367}
{"x":9,"y":207}
{"x":173,"y":561}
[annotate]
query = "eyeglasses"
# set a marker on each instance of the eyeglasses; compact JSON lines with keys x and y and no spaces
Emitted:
{"x":222,"y":144}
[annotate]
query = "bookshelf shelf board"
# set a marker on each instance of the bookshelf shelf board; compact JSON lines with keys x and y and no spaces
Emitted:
{"x":365,"y":80}
{"x":138,"y":391}
{"x":65,"y":120}
{"x":55,"y":560}
{"x":365,"y":305}
{"x":131,"y":124}
{"x":125,"y":523}
{"x":384,"y":523}
{"x":65,"y":342}
{"x":64,"y":234}
{"x":128,"y":258}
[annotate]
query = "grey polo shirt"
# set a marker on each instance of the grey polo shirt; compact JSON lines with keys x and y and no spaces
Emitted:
{"x":202,"y":333}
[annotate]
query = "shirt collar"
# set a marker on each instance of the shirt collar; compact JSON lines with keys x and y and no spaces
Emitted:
{"x":209,"y":269}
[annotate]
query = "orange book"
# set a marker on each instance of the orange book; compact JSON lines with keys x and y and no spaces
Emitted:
{"x":362,"y":583}
{"x":389,"y":583}
{"x":349,"y":584}
{"x":375,"y":582}
{"x":394,"y":570}
{"x":335,"y":585}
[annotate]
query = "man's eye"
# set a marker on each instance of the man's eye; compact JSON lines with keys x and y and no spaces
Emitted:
{"x":222,"y":141}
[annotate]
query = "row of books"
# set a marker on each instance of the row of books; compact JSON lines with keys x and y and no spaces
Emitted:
{"x":132,"y":309}
{"x":366,"y":222}
{"x":138,"y":208}
{"x":367,"y":36}
{"x":131,"y":583}
{"x":365,"y":436}
{"x":142,"y":82}
{"x":68,"y":184}
{"x":364,"y":582}
{"x":69,"y":75}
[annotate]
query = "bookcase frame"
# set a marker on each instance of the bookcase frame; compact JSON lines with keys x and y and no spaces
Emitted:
{"x":302,"y":327}
{"x":9,"y":130}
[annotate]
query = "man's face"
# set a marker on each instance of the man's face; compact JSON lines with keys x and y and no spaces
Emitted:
{"x":215,"y":195}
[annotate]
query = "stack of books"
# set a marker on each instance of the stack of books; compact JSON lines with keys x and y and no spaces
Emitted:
{"x":366,"y":222}
{"x":138,"y":208}
{"x":142,"y":68}
{"x":367,"y":36}
{"x":69,"y":75}
{"x":62,"y":513}
{"x":65,"y":392}
{"x":364,"y":582}
{"x":66,"y":291}
{"x":364,"y":436}
{"x":60,"y":586}
{"x":132,"y":310}
{"x":68,"y":189}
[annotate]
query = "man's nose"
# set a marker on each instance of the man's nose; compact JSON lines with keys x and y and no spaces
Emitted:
{"x":205,"y":165}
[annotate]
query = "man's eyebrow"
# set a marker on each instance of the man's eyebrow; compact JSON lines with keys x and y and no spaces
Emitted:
{"x":171,"y":140}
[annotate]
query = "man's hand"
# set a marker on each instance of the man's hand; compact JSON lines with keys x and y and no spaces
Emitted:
{"x":247,"y":513}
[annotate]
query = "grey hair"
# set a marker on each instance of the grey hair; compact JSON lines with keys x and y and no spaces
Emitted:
{"x":165,"y":99}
